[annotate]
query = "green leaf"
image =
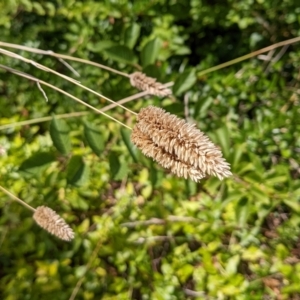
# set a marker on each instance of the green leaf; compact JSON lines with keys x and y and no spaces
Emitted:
{"x":184,"y":82}
{"x":202,"y":106}
{"x":222,"y":139}
{"x":59,"y":132}
{"x":242,"y":211}
{"x":294,"y":205}
{"x":131,"y":35}
{"x":37,"y":163}
{"x":123,"y":171}
{"x":153,"y":71}
{"x":131,"y":148}
{"x":77,"y":171}
{"x":114,"y":164}
{"x":121,"y":54}
{"x":150,"y":52}
{"x":100,"y":45}
{"x":94,"y":138}
{"x":237,"y":154}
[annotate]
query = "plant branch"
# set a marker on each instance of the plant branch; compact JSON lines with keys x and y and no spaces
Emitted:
{"x":156,"y":221}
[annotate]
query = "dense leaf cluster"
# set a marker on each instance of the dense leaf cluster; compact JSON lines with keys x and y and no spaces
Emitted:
{"x":141,"y":233}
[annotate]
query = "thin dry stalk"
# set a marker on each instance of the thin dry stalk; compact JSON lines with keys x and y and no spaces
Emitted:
{"x":46,"y":218}
{"x":177,"y":145}
{"x":49,"y":220}
{"x":46,"y":69}
{"x":25,"y":75}
{"x":144,"y":83}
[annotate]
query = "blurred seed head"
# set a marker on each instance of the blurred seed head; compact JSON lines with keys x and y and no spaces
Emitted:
{"x":144,"y":83}
{"x":49,"y":220}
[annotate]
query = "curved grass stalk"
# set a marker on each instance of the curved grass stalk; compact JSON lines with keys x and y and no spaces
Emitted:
{"x":62,"y":56}
{"x":46,"y":69}
{"x":249,"y":55}
{"x":43,"y":119}
{"x":77,"y":114}
{"x":25,"y":75}
{"x":8,"y":193}
{"x":209,"y":70}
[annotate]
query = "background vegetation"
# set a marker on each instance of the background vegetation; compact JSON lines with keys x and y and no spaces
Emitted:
{"x":142,"y":233}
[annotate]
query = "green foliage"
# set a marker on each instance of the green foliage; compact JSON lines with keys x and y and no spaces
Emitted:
{"x":160,"y":237}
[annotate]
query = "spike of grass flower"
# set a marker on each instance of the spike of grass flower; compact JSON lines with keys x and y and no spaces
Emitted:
{"x":177,"y":145}
{"x":47,"y":218}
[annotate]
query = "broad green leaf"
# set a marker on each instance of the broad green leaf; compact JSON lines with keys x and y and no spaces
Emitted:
{"x":123,"y":171}
{"x":94,"y":138}
{"x":237,"y":154}
{"x":100,"y":45}
{"x":153,"y":174}
{"x":77,"y":171}
{"x":184,"y":82}
{"x":202,"y":106}
{"x":232,"y":264}
{"x":114,"y":164}
{"x":59,"y":132}
{"x":35,"y":164}
{"x":185,"y":272}
{"x":131,"y":148}
{"x":153,"y":71}
{"x":242,"y":211}
{"x":176,"y":108}
{"x":131,"y":35}
{"x":150,"y":52}
{"x":222,"y":139}
{"x":294,"y":205}
{"x":121,"y":54}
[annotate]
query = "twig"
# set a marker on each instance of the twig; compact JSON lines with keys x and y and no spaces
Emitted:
{"x":42,"y":91}
{"x":250,"y":55}
{"x":192,"y":293}
{"x":277,"y":57}
{"x":186,"y":106}
{"x":156,"y":221}
{"x":69,"y":67}
{"x":25,"y":75}
{"x":142,"y":240}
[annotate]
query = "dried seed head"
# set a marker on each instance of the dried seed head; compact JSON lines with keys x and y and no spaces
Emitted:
{"x":142,"y":82}
{"x":177,"y":145}
{"x":53,"y":223}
